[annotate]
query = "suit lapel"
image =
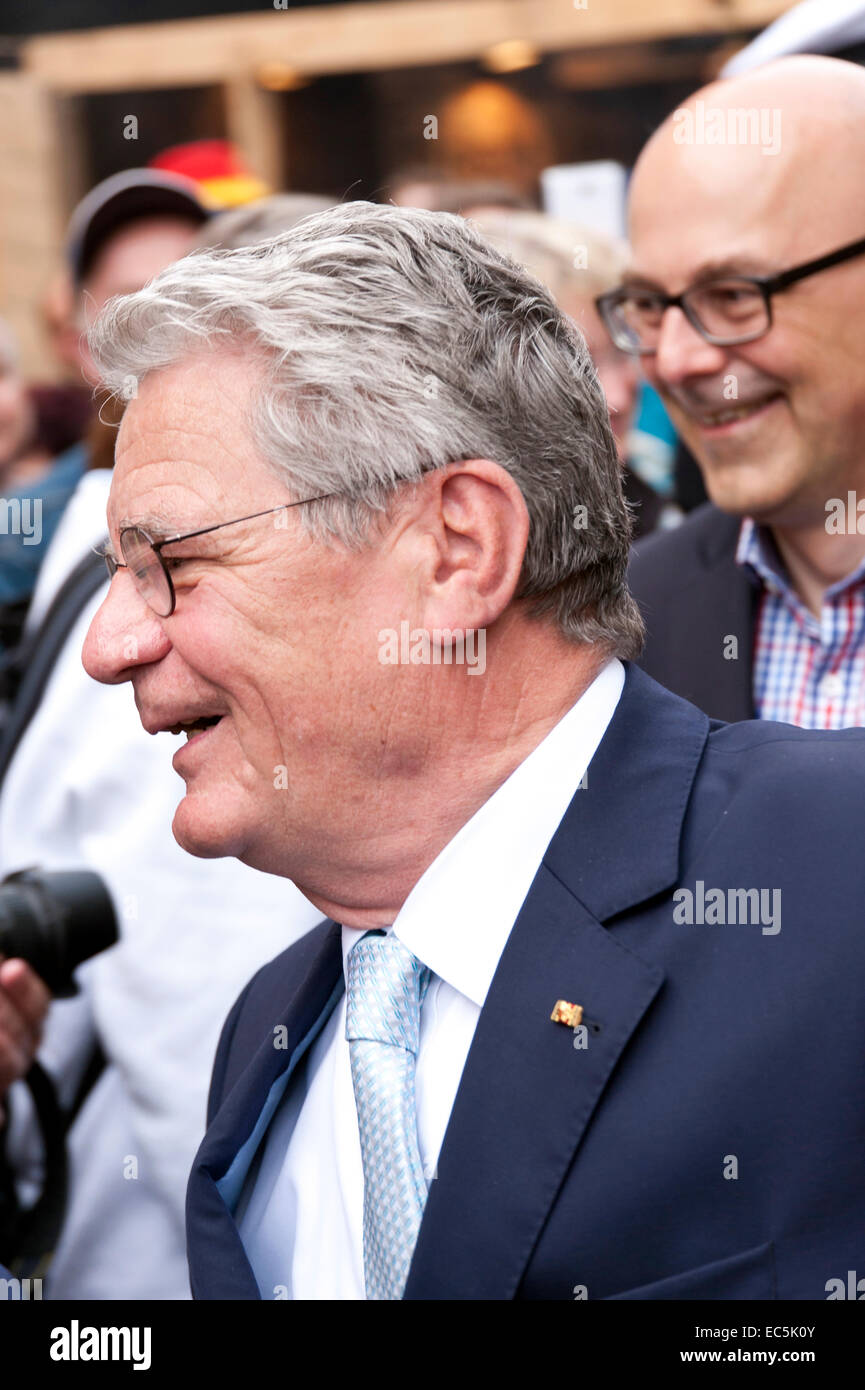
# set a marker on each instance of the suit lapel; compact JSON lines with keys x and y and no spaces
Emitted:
{"x":527,"y":1094}
{"x":219,"y":1267}
{"x":721,"y":604}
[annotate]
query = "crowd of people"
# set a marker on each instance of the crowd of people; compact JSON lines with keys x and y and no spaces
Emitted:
{"x":432,"y":401}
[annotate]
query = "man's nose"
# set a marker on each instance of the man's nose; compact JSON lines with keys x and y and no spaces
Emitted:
{"x":123,"y":635}
{"x":682,"y":352}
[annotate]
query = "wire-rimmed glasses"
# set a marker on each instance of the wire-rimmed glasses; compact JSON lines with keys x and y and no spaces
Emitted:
{"x":142,"y":556}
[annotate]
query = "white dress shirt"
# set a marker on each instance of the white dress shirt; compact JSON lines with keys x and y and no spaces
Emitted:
{"x":88,"y":788}
{"x":82,"y":526}
{"x":300,"y":1214}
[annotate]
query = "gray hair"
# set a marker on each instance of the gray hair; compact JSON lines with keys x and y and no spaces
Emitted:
{"x":395,"y":341}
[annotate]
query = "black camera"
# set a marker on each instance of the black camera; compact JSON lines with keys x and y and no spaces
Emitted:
{"x":54,"y":922}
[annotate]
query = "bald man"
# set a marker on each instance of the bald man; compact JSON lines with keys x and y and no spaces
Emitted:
{"x":745,"y":303}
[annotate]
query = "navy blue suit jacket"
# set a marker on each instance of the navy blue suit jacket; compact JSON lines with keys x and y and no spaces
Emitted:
{"x":708,"y":1141}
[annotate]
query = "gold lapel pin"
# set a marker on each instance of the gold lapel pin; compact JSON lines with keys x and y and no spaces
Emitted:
{"x":569,"y":1014}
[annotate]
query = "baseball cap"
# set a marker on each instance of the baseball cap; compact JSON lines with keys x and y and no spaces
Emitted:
{"x":127,"y":197}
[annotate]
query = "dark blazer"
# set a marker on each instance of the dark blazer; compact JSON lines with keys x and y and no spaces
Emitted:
{"x":693,"y":597}
{"x":711,"y":1049}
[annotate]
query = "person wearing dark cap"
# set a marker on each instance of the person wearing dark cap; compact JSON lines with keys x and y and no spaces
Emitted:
{"x":121,"y":234}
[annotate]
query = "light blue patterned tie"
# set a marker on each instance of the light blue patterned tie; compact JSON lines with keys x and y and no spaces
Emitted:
{"x":385,"y":988}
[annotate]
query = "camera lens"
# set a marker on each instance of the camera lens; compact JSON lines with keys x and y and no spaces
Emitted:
{"x":54,"y":921}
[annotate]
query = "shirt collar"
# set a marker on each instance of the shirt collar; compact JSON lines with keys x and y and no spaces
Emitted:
{"x":459,"y":914}
{"x":757,"y":552}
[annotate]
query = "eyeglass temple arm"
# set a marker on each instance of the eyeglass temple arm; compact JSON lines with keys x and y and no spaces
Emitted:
{"x":771,"y":283}
{"x":205,"y":530}
{"x":768,"y":283}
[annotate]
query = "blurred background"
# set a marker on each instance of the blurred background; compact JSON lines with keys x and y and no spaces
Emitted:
{"x":346,"y":100}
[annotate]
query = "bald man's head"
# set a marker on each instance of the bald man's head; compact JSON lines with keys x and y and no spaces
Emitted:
{"x":752,"y":177}
{"x":767,"y":120}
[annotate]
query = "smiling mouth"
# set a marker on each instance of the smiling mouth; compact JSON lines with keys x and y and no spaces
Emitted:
{"x":195,"y":726}
{"x":729,"y":415}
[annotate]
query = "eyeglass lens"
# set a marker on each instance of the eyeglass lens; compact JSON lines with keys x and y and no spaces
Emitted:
{"x":147,"y":570}
{"x":727,"y":310}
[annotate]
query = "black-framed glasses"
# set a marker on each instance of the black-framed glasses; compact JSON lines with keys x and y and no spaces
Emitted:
{"x":142,"y":556}
{"x":727,"y":310}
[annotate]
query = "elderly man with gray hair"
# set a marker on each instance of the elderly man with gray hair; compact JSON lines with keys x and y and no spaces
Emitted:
{"x":551,"y":995}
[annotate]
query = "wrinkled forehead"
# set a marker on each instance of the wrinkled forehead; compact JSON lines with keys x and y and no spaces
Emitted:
{"x":164,"y":500}
{"x":185,"y":448}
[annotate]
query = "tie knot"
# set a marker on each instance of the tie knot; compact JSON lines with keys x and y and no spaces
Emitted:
{"x":385,"y":988}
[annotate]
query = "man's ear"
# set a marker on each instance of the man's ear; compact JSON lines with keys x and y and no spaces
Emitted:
{"x":479,"y":528}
